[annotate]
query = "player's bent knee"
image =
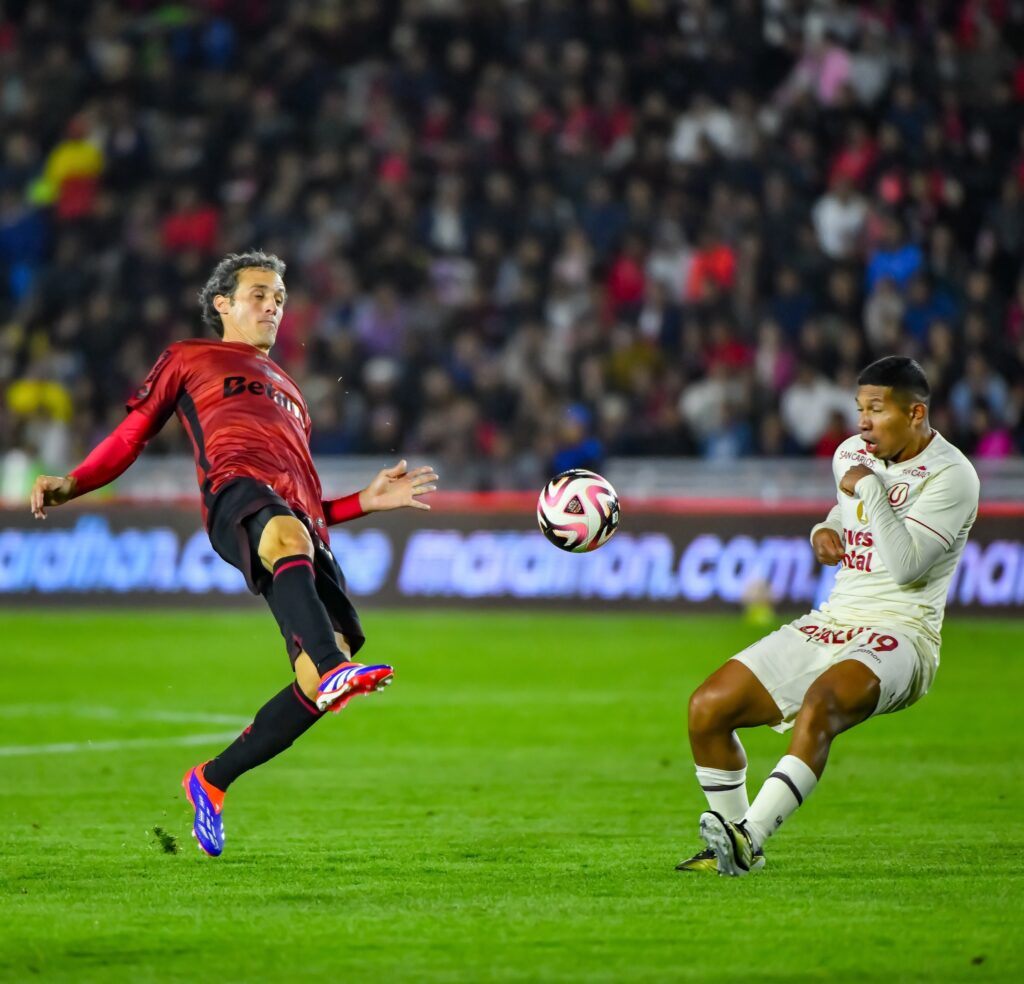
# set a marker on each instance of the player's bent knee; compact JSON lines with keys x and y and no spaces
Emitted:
{"x":819,"y":707}
{"x":827,"y":710}
{"x":706,"y":712}
{"x":284,"y":536}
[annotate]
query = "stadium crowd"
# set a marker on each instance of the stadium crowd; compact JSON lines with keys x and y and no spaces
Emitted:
{"x":522,"y":235}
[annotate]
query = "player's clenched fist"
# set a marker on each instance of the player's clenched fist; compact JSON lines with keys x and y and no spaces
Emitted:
{"x":848,"y":483}
{"x":50,"y":490}
{"x":828,"y":547}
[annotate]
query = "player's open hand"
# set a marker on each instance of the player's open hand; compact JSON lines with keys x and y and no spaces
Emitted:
{"x":828,"y":547}
{"x":848,"y":483}
{"x":50,"y":490}
{"x":396,"y":487}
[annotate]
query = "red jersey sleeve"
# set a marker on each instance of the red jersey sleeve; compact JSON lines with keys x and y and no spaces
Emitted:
{"x":115,"y":453}
{"x":158,"y":395}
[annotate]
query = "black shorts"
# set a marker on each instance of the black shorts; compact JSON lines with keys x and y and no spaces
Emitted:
{"x":237,"y":516}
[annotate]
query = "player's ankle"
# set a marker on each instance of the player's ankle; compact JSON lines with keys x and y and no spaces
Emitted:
{"x":331,"y":662}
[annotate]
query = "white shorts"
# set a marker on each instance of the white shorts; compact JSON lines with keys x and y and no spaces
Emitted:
{"x":790,"y":659}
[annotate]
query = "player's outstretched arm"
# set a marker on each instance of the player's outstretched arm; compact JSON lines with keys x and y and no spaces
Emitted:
{"x":110,"y":458}
{"x":391,"y":488}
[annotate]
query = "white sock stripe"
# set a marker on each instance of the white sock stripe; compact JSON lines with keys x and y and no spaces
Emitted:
{"x":789,"y":784}
{"x":725,"y":790}
{"x":720,"y":777}
{"x":799,"y":772}
{"x":783,"y":792}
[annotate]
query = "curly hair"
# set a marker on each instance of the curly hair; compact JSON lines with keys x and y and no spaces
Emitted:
{"x":224,"y":280}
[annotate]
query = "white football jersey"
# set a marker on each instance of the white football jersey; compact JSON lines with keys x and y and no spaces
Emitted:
{"x":935,"y":493}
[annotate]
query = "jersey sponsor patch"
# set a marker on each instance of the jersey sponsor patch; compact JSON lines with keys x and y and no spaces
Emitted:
{"x":237,"y":385}
{"x":829,"y":635}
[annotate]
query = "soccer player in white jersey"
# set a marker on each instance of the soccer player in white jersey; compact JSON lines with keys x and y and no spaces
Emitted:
{"x":906,"y":501}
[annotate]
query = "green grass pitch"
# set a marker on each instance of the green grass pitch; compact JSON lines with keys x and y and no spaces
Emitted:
{"x":510,"y":810}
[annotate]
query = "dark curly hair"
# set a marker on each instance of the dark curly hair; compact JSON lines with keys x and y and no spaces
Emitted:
{"x":224,"y":280}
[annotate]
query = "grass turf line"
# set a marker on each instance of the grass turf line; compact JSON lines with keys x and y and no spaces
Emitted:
{"x":511,"y":810}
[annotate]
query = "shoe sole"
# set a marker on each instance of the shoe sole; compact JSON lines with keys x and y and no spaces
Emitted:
{"x":349,"y":691}
{"x":718,"y":837}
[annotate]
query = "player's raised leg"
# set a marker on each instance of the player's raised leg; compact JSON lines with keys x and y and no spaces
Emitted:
{"x":732,"y":697}
{"x":286,"y":549}
{"x":843,"y":696}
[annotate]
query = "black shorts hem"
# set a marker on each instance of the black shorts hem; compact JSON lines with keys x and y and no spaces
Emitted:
{"x":232,"y":505}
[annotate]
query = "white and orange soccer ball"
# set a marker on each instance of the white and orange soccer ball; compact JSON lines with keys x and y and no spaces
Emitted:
{"x":578,"y":510}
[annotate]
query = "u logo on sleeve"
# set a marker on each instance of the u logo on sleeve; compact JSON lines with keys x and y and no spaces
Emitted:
{"x":898,"y":493}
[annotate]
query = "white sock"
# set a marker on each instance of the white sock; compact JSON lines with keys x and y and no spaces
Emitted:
{"x":726,"y":790}
{"x":791,"y":782}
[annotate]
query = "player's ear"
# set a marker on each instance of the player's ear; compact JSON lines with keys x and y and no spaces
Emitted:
{"x":221,"y":303}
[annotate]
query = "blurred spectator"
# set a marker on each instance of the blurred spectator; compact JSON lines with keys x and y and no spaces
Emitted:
{"x":577,"y":447}
{"x":713,"y":408}
{"x":41,"y":410}
{"x":992,"y":438}
{"x":809,"y":404}
{"x":689,"y":223}
{"x":837,"y":431}
{"x":981,"y":386}
{"x":71,"y":171}
{"x":895,"y":258}
{"x":839,"y":218}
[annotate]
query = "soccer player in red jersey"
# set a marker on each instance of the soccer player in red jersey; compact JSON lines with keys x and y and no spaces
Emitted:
{"x":262,"y":505}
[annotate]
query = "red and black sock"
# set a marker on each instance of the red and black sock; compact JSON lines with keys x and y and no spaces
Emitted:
{"x":282,"y":719}
{"x":301,"y":614}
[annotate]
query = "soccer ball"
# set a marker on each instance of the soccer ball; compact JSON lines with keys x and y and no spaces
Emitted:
{"x":578,"y":510}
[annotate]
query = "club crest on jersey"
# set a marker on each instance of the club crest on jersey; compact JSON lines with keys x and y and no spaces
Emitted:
{"x":898,"y":493}
{"x":276,"y":376}
{"x":237,"y":385}
{"x":862,"y":516}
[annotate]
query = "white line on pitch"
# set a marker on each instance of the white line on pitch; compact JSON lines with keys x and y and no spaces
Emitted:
{"x":121,"y":713}
{"x":68,"y":747}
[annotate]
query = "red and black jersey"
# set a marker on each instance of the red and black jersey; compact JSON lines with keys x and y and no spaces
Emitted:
{"x":244,"y":415}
